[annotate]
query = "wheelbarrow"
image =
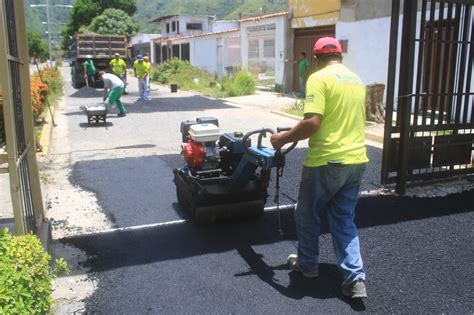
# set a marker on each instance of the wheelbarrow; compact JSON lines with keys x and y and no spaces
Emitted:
{"x":95,"y":113}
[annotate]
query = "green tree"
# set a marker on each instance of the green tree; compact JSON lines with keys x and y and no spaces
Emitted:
{"x":82,"y":14}
{"x":113,"y":22}
{"x":37,"y":47}
{"x":84,"y":11}
{"x":128,"y":6}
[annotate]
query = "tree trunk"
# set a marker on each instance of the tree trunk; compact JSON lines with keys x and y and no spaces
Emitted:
{"x":374,"y":110}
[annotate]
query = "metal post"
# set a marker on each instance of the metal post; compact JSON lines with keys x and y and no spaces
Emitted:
{"x":33,"y":172}
{"x":392,"y":64}
{"x":406,"y":88}
{"x":10,"y":128}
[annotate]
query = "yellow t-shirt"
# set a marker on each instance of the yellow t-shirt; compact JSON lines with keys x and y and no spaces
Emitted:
{"x":141,"y":68}
{"x":118,"y":66}
{"x":337,"y":94}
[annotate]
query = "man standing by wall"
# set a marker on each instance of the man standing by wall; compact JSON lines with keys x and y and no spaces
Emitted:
{"x":119,"y":68}
{"x":113,"y":89}
{"x":89,"y":71}
{"x":303,"y":68}
{"x":142,"y":71}
{"x":334,"y":120}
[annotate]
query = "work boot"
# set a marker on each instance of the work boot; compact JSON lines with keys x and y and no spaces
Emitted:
{"x":295,"y":266}
{"x":121,"y":115}
{"x":355,"y":289}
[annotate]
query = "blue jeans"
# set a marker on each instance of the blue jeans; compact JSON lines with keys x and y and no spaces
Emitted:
{"x":143,"y":88}
{"x":333,"y":189}
{"x":302,"y":81}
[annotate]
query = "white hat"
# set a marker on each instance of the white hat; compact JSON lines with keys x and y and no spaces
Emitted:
{"x":89,"y":56}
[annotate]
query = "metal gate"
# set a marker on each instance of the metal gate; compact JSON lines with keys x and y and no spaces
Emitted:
{"x":430,"y":105}
{"x":304,"y":41}
{"x":14,"y":82}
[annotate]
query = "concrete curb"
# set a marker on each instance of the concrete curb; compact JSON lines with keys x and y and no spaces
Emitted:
{"x":368,"y":135}
{"x":47,"y":129}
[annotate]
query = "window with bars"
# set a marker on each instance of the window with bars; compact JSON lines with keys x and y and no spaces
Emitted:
{"x":269,"y":48}
{"x":254,"y":51}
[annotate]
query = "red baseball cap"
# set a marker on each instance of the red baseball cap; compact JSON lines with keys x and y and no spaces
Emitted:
{"x":327,"y":45}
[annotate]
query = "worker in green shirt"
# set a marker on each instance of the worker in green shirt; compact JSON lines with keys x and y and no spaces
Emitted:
{"x":119,"y":68}
{"x":89,"y":71}
{"x":303,"y":67}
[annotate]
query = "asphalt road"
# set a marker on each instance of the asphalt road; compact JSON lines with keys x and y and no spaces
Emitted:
{"x":418,"y":252}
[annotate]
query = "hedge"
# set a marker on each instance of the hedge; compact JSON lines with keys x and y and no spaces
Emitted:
{"x":26,"y":275}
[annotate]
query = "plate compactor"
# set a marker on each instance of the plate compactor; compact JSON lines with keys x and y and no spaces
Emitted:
{"x":225,"y":176}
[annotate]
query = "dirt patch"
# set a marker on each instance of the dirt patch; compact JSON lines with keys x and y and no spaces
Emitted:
{"x":87,"y":91}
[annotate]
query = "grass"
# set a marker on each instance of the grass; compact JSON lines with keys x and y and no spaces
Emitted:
{"x":188,"y":77}
{"x":296,"y":109}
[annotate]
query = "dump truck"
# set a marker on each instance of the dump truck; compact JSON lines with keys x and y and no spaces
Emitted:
{"x":101,"y":47}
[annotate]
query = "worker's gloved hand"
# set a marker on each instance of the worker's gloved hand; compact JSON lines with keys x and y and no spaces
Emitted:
{"x":277,"y":141}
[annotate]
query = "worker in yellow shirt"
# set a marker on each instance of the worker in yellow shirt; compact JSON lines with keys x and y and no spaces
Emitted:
{"x":334,"y":121}
{"x":119,"y":68}
{"x":141,"y":68}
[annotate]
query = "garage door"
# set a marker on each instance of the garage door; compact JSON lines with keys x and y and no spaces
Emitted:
{"x":304,"y":41}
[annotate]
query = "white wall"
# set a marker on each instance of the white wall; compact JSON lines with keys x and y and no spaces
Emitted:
{"x":282,"y":29}
{"x":204,"y":53}
{"x":280,"y":32}
{"x":220,"y":26}
{"x":368,"y":47}
{"x":183,"y":20}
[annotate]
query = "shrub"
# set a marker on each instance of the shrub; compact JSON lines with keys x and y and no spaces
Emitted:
{"x":244,"y":83}
{"x":39,"y":93}
{"x":40,"y":90}
{"x":189,"y":77}
{"x":52,"y":77}
{"x":25,"y":275}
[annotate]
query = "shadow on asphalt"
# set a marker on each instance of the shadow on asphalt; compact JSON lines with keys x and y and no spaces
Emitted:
{"x":96,"y":125}
{"x":177,"y":104}
{"x":190,"y":239}
{"x":325,"y":286}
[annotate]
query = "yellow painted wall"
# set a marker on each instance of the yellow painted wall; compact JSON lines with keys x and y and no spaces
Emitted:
{"x":310,"y":13}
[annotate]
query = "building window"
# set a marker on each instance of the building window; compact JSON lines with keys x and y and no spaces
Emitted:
{"x":194,"y":26}
{"x":173,"y":26}
{"x":261,"y":28}
{"x":185,"y":51}
{"x":269,"y":48}
{"x":167,"y":28}
{"x":177,"y":27}
{"x":175,"y":50}
{"x":253,"y":48}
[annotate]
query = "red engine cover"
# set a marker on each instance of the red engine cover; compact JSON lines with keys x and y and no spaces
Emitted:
{"x":194,"y":154}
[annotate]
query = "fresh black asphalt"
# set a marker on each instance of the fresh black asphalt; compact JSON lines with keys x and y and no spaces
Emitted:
{"x":417,"y":252}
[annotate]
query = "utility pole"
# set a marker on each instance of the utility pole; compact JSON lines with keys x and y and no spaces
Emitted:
{"x":49,"y":33}
{"x":48,"y":22}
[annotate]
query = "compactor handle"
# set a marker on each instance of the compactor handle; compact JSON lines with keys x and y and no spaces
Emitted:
{"x":261,"y":133}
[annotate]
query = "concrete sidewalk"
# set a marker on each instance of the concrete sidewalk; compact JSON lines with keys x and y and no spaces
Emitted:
{"x":276,"y":103}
